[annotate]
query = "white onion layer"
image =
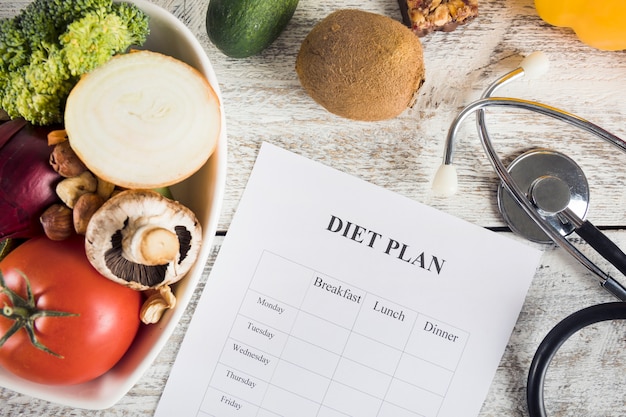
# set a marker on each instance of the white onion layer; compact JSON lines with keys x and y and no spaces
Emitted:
{"x":143,"y":120}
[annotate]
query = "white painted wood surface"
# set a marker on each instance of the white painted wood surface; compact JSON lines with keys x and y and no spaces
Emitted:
{"x":264,"y":102}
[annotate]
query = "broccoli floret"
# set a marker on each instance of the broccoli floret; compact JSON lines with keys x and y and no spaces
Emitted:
{"x":24,"y":100}
{"x":51,"y":43}
{"x":135,"y":20}
{"x":93,"y":39}
{"x":13,"y":49}
{"x":38,"y":90}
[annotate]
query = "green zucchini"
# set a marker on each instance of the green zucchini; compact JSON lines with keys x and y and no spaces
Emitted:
{"x":242,"y":28}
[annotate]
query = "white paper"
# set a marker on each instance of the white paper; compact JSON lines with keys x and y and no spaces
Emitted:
{"x":332,"y":297}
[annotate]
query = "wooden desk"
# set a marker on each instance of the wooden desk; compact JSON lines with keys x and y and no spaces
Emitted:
{"x":264,"y":102}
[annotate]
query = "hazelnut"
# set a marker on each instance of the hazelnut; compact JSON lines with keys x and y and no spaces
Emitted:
{"x":57,"y":222}
{"x":86,"y":205}
{"x":65,"y":162}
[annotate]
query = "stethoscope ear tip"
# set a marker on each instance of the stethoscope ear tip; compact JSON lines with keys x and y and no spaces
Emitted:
{"x":535,"y":65}
{"x":445,"y":182}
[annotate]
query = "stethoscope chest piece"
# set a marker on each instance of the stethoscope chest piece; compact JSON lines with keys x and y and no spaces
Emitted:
{"x":552,"y":182}
{"x":544,"y":197}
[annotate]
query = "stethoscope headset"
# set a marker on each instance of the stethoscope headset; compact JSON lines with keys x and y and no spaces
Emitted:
{"x":543,"y":196}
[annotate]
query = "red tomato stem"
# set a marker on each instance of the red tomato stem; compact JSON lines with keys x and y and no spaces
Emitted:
{"x":24,"y":312}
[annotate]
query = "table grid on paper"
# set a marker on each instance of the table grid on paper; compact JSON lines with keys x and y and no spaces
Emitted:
{"x":306,"y":344}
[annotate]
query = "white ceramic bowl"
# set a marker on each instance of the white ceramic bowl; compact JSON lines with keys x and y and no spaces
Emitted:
{"x":202,"y":193}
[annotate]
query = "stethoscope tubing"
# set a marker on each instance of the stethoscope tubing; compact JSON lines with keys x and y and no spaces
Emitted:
{"x":509,"y":183}
{"x":580,"y":319}
{"x":554,"y":340}
{"x":535,"y":107}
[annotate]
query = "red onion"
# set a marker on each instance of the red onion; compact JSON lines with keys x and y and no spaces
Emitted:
{"x":27,"y":181}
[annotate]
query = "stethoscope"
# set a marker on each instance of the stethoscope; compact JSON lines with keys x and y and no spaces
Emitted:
{"x":543,"y":196}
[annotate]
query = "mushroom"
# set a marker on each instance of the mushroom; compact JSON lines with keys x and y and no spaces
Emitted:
{"x":143,"y":240}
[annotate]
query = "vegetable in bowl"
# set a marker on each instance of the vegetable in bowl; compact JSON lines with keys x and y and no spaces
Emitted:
{"x":202,"y":193}
{"x":27,"y":180}
{"x":47,"y":47}
{"x":78,"y":323}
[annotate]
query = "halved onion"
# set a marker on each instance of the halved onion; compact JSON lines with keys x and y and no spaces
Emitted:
{"x":143,"y":120}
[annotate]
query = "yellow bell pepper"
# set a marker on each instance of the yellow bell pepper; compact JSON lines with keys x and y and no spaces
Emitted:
{"x":600,"y":24}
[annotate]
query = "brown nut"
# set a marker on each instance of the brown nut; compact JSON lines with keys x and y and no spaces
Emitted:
{"x":65,"y":162}
{"x":57,"y":222}
{"x":105,"y":188}
{"x":85,"y":207}
{"x":70,"y":189}
{"x":57,"y":136}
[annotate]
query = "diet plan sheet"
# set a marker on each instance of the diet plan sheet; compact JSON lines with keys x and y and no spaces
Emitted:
{"x":332,"y":297}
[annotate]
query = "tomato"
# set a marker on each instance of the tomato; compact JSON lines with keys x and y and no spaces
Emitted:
{"x":84,"y":345}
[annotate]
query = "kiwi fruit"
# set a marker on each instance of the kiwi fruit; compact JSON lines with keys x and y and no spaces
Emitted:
{"x":361,"y":65}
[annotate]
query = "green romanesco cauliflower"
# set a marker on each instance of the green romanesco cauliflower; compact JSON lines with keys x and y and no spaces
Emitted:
{"x":51,"y":43}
